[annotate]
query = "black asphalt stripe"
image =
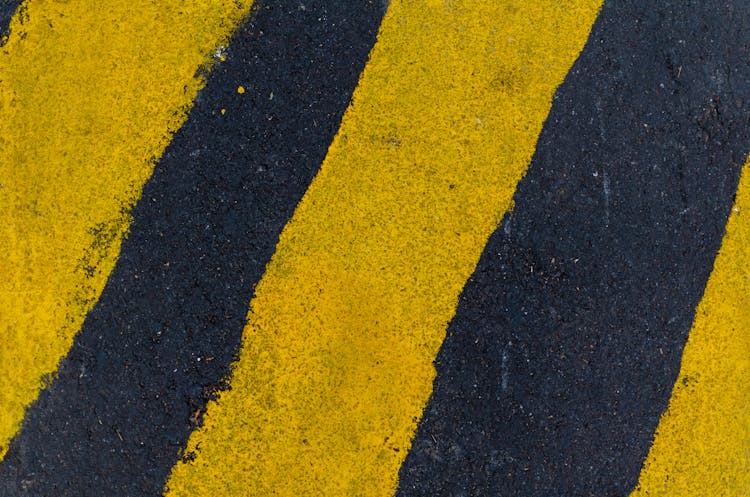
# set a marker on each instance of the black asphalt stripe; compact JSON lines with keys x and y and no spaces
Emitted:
{"x":169,"y":321}
{"x":567,"y":339}
{"x":7,"y":9}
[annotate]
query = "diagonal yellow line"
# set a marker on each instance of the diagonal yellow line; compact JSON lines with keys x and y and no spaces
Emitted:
{"x":90,"y":94}
{"x":702,"y":444}
{"x":336,"y":364}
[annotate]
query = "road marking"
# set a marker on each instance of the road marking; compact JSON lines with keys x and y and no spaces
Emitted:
{"x":90,"y":96}
{"x":337,"y":358}
{"x":589,"y":287}
{"x":158,"y":342}
{"x":702,"y":443}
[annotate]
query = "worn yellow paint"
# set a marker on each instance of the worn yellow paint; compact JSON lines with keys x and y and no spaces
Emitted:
{"x":336,"y":363}
{"x":702,"y":444}
{"x":90,"y":94}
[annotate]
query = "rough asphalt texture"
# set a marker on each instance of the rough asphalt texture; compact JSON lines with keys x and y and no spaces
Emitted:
{"x":156,"y":346}
{"x":7,"y":9}
{"x":568,"y":337}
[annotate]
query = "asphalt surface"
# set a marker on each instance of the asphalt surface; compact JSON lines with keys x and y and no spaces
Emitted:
{"x":158,"y":343}
{"x":568,"y":337}
{"x":7,"y":9}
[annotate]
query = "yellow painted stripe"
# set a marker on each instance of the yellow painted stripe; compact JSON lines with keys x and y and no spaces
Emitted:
{"x":90,"y":94}
{"x":336,"y":363}
{"x":702,"y":444}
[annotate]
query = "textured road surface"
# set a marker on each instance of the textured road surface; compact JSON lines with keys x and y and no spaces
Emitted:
{"x":566,"y":347}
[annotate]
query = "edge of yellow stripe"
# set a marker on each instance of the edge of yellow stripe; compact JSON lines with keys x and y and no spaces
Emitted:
{"x":336,"y":363}
{"x":90,"y":95}
{"x":702,"y":443}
